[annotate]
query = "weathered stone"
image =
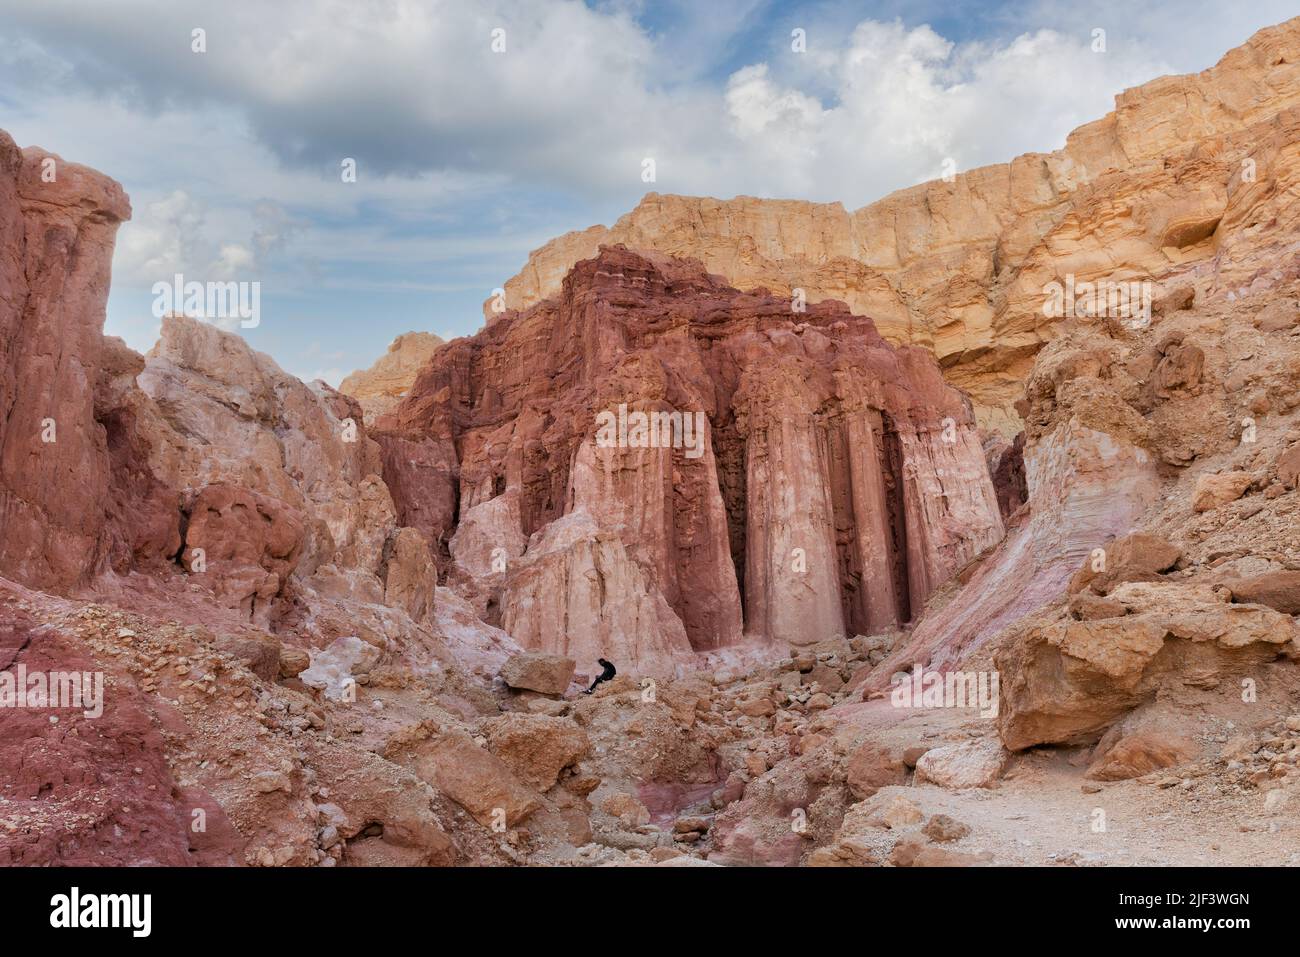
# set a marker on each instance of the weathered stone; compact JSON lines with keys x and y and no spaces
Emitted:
{"x":941,"y":828}
{"x":1215,"y":490}
{"x":536,"y":747}
{"x":1278,"y":590}
{"x":972,"y":764}
{"x":534,"y":671}
{"x":870,"y":768}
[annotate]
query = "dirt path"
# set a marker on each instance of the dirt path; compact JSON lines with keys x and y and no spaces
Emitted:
{"x":1040,"y":814}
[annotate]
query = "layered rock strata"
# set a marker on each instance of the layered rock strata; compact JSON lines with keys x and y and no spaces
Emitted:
{"x":1188,"y":174}
{"x":385,"y":383}
{"x":795,"y":477}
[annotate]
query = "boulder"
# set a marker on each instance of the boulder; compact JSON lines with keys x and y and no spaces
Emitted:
{"x":1135,"y":557}
{"x":872,"y":767}
{"x":1215,"y":490}
{"x":1067,"y":681}
{"x":536,"y":671}
{"x":914,"y":851}
{"x":473,"y":777}
{"x":1279,"y":590}
{"x":536,"y":747}
{"x":1133,"y":755}
{"x":971,"y":764}
{"x":942,"y":829}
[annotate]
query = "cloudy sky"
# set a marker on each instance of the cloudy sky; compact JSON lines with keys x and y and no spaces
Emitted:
{"x":467,"y":158}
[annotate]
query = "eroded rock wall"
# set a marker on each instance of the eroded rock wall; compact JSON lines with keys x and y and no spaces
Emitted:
{"x":1188,"y":173}
{"x":824,"y":481}
{"x":57,"y":226}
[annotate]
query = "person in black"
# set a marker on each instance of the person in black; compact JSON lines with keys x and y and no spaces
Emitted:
{"x":609,"y":672}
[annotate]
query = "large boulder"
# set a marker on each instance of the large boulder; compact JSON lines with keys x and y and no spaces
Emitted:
{"x":971,"y":764}
{"x":536,"y":747}
{"x":1135,"y":557}
{"x":1067,"y":681}
{"x":1215,"y":490}
{"x":1279,"y":590}
{"x":536,"y":671}
{"x":473,"y":777}
{"x":244,"y":544}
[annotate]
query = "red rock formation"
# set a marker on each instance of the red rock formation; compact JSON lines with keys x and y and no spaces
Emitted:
{"x":833,"y":481}
{"x":57,"y":226}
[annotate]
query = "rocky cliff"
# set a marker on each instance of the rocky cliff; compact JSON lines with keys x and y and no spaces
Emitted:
{"x":825,"y":482}
{"x":57,"y":226}
{"x":309,"y":625}
{"x":385,"y":383}
{"x":1188,"y":176}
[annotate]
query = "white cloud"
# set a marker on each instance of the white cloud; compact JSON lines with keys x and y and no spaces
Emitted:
{"x":162,"y":239}
{"x":581,"y":96}
{"x":904,"y":100}
{"x":467,"y":159}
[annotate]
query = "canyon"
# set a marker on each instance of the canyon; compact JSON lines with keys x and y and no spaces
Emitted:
{"x":1174,"y":184}
{"x":353,"y":626}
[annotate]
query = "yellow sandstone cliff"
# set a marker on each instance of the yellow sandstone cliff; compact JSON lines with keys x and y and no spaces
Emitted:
{"x":1190,"y":175}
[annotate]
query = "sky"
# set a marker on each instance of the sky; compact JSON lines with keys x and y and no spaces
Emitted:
{"x":480,"y":129}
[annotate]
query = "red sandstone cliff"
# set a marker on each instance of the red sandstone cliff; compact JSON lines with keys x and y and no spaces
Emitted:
{"x":1189,"y":175}
{"x":839,"y":481}
{"x":1149,"y":574}
{"x":57,"y":225}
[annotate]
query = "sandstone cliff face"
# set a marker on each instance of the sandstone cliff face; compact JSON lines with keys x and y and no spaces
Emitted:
{"x":832,"y":482}
{"x":57,"y":226}
{"x":1209,"y":398}
{"x":240,"y":515}
{"x":201,"y":475}
{"x":383,"y":385}
{"x":1188,"y":175}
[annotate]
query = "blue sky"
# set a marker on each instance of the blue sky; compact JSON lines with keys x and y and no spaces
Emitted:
{"x":468,"y":158}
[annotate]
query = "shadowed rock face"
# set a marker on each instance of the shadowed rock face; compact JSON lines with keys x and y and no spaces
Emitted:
{"x":827,"y":482}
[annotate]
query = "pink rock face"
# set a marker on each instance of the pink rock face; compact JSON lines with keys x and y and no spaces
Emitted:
{"x":579,"y":593}
{"x":244,"y":544}
{"x":1086,"y":487}
{"x":488,"y":538}
{"x":803,"y":478}
{"x":668,"y":508}
{"x":56,"y":246}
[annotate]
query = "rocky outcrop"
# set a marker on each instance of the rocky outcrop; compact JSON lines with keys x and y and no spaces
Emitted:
{"x":286,"y":516}
{"x":385,"y":383}
{"x":713,"y":486}
{"x":1188,"y":174}
{"x":1067,"y":681}
{"x":801,"y":477}
{"x":58,"y":221}
{"x":201,"y":474}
